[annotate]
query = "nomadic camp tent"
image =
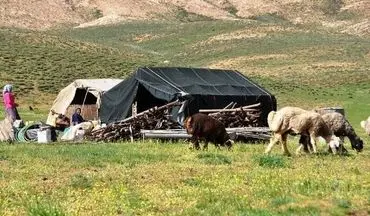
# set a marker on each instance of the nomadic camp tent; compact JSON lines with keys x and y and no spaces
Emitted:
{"x":205,"y":89}
{"x":83,"y":93}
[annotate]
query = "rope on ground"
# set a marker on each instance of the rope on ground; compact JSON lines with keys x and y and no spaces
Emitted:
{"x":21,"y":134}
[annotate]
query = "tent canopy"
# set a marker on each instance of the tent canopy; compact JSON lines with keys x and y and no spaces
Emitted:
{"x":81,"y":91}
{"x":208,"y":88}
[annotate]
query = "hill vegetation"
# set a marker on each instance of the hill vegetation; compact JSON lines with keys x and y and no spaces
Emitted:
{"x":324,"y":67}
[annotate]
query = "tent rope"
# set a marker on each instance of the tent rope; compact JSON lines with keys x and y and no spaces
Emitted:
{"x":255,"y":85}
{"x":166,"y":80}
{"x":205,"y":80}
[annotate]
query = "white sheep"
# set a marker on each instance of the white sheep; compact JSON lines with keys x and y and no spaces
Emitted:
{"x":299,"y":121}
{"x":366,"y":125}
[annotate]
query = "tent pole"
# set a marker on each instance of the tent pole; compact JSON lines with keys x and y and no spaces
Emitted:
{"x":83,"y":103}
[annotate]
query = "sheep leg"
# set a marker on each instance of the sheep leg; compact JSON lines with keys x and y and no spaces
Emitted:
{"x":274,"y":139}
{"x":342,"y":150}
{"x":205,"y":146}
{"x":333,"y":148}
{"x":313,"y":143}
{"x":304,"y":142}
{"x":195,"y":143}
{"x":298,"y":151}
{"x":284,"y":144}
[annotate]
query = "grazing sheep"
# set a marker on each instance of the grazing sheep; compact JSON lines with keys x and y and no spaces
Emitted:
{"x":299,"y":121}
{"x":366,"y":125}
{"x":202,"y":126}
{"x":341,"y":128}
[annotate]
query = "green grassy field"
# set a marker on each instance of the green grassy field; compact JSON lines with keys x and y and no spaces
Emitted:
{"x":304,"y":66}
{"x":149,"y":178}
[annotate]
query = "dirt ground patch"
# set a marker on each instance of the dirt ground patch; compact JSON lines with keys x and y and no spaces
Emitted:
{"x":145,"y":37}
{"x":41,"y":14}
{"x":248,"y":65}
{"x":255,"y":32}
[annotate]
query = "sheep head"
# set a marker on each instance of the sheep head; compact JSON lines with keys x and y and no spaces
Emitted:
{"x":357,"y":144}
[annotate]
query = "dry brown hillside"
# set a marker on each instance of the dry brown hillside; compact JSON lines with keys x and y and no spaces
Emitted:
{"x":40,"y":14}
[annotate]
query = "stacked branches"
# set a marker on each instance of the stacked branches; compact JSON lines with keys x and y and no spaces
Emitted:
{"x":246,"y":116}
{"x":128,"y":129}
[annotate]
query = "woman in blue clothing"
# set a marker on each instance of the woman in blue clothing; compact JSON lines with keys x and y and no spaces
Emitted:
{"x":76,"y":117}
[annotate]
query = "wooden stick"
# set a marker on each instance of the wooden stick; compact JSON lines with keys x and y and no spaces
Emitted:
{"x":244,"y":108}
{"x":251,"y":106}
{"x":232,"y":104}
{"x":225,"y":110}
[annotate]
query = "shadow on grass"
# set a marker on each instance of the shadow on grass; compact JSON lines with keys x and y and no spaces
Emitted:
{"x":81,"y":181}
{"x":216,"y":159}
{"x":271,"y":161}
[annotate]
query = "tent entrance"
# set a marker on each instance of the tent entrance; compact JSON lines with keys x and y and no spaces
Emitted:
{"x":145,"y":100}
{"x":83,"y":96}
{"x":86,"y":101}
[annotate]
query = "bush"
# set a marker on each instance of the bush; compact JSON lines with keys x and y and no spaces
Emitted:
{"x":331,"y":7}
{"x":43,"y":209}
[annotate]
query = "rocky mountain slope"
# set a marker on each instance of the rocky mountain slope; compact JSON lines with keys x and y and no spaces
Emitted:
{"x":348,"y":15}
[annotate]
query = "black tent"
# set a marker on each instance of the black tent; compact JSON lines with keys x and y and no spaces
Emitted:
{"x":207,"y":88}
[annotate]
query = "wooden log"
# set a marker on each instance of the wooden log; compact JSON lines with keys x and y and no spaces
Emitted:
{"x":174,"y":103}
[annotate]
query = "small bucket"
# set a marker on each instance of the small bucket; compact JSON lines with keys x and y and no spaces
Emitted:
{"x":44,"y":135}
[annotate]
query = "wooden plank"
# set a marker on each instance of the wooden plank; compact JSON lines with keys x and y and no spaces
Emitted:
{"x":238,"y":129}
{"x":173,"y":136}
{"x":253,"y":132}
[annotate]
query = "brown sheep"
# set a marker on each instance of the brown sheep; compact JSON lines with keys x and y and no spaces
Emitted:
{"x":204,"y":127}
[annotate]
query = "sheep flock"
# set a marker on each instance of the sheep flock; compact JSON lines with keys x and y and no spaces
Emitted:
{"x":310,"y":125}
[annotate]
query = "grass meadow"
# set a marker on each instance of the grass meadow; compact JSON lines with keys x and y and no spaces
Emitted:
{"x":305,"y":66}
{"x":158,"y":178}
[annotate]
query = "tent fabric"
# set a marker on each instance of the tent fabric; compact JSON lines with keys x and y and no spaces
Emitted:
{"x":209,"y":88}
{"x":94,"y":86}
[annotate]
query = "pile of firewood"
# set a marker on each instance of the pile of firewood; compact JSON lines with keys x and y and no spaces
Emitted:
{"x":246,"y":116}
{"x":158,"y":118}
{"x":153,"y":119}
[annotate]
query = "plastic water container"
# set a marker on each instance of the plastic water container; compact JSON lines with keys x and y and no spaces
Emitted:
{"x":80,"y":133}
{"x":44,"y":136}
